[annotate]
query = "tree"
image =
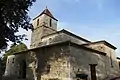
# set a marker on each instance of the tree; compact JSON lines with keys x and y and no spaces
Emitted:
{"x":0,"y":67}
{"x":13,"y":15}
{"x":13,"y":49}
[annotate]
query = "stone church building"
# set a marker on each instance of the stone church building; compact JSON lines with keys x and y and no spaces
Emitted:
{"x":62,"y":55}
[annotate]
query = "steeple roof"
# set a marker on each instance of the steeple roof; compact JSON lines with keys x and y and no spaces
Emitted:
{"x":47,"y":12}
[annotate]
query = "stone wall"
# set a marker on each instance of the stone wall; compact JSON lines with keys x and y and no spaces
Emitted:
{"x":50,"y":63}
{"x":59,"y":62}
{"x":38,"y":34}
{"x":109,"y":51}
{"x":11,"y":66}
{"x":53,"y":22}
{"x":41,"y":20}
{"x":14,"y":65}
{"x":80,"y":59}
{"x":44,"y":19}
{"x":41,"y":28}
{"x":118,"y":61}
{"x":60,"y":37}
{"x":45,"y":63}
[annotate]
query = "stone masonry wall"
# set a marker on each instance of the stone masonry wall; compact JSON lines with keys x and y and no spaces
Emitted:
{"x":42,"y":27}
{"x":14,"y":65}
{"x":80,"y":59}
{"x":49,"y":63}
{"x":60,"y":62}
{"x":109,"y":51}
{"x":59,"y":38}
{"x":38,"y":34}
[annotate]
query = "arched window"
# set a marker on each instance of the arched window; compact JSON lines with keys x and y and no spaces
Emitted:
{"x":37,"y":22}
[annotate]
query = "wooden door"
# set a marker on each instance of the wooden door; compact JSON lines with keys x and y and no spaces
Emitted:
{"x":93,"y":71}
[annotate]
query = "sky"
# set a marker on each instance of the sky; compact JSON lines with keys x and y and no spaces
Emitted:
{"x":91,"y":19}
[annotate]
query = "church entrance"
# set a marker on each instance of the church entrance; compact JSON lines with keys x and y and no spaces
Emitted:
{"x":22,"y":71}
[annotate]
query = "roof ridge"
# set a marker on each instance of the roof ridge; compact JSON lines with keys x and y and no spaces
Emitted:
{"x":104,"y":42}
{"x":64,"y":42}
{"x":66,"y":31}
{"x":47,"y":12}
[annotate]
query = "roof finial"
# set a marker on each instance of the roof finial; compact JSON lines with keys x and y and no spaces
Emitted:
{"x":46,"y":7}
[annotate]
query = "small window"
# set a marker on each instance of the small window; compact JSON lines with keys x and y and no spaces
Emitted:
{"x":50,"y":22}
{"x":37,"y":22}
{"x":111,"y":60}
{"x":13,"y":60}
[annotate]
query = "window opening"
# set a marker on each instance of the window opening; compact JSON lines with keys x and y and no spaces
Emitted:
{"x":50,"y":22}
{"x":37,"y":22}
{"x":13,"y":60}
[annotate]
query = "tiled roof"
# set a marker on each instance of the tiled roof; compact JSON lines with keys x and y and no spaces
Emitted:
{"x":47,"y":12}
{"x":64,"y":43}
{"x":102,"y":41}
{"x":69,"y":33}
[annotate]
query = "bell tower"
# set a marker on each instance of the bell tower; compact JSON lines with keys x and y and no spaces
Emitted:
{"x":43,"y":24}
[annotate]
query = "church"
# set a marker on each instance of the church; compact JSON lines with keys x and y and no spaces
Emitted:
{"x":62,"y":55}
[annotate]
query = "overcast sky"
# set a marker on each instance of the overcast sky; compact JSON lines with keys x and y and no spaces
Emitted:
{"x":92,"y":19}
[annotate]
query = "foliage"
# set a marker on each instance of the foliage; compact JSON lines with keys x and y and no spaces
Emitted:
{"x":13,"y":15}
{"x":1,"y":67}
{"x":13,"y":49}
{"x":16,"y":48}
